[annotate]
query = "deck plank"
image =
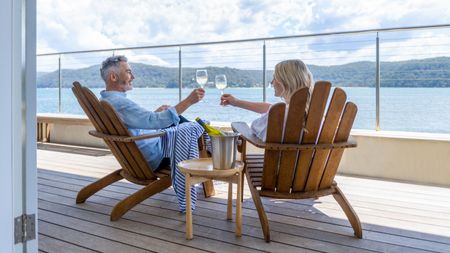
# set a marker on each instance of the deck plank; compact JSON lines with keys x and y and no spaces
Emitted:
{"x":50,"y":244}
{"x":130,"y":233}
{"x":210,"y":210}
{"x":213,"y":234}
{"x":324,"y":206}
{"x":62,"y":229}
{"x":413,"y":218}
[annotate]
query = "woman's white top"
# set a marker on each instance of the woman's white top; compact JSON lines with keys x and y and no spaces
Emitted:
{"x":259,"y":125}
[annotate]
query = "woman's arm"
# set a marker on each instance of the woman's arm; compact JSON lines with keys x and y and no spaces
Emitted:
{"x":259,"y":107}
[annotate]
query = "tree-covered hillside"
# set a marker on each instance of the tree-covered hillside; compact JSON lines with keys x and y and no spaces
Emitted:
{"x":431,"y":72}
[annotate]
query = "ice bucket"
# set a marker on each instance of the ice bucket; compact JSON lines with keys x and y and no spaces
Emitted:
{"x":224,"y":150}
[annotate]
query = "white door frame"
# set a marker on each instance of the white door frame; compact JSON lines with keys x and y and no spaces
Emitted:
{"x":18,"y":175}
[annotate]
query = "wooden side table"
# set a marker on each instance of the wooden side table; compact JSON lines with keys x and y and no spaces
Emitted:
{"x":201,"y":170}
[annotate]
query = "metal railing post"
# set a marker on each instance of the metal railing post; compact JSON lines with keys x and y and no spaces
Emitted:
{"x":59,"y":83}
{"x":264,"y":72}
{"x":377,"y":84}
{"x":180,"y":77}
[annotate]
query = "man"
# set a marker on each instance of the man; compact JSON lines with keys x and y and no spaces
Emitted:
{"x":118,"y":77}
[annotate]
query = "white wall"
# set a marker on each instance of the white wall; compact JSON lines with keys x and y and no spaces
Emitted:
{"x":412,"y":157}
{"x":17,"y":113}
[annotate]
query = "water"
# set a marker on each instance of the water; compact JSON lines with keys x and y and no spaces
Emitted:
{"x":402,"y":109}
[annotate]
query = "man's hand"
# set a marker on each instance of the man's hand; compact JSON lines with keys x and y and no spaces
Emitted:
{"x":196,"y":95}
{"x":162,"y":108}
{"x":228,"y":99}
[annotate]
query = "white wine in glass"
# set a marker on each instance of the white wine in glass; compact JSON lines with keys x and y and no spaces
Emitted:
{"x":221,"y":82}
{"x":202,"y":77}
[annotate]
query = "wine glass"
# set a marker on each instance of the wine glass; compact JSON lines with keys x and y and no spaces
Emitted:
{"x":221,"y":83}
{"x":202,"y":77}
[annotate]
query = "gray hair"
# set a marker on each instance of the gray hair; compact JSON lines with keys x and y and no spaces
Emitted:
{"x":111,"y":64}
{"x":293,"y":75}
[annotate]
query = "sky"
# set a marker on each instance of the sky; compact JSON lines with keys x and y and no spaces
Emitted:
{"x":64,"y":25}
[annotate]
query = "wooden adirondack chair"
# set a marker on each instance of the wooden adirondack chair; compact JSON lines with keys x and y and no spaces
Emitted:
{"x":302,"y":162}
{"x":135,"y":169}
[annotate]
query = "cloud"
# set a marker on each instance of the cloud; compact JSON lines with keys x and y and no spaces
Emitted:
{"x":103,"y":24}
{"x":354,"y":14}
{"x":89,"y":24}
{"x":146,"y":59}
{"x":69,"y":27}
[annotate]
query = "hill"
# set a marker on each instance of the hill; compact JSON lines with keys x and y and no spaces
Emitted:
{"x":431,"y":72}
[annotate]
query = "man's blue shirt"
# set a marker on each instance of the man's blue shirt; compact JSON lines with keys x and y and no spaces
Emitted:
{"x":140,"y":121}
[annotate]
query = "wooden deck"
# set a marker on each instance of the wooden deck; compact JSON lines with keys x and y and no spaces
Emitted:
{"x":396,"y":217}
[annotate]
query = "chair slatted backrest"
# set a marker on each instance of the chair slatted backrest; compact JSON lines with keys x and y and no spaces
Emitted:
{"x":313,"y":121}
{"x":274,"y":134}
{"x":293,"y":130}
{"x":307,"y":170}
{"x":105,"y":120}
{"x":327,"y":134}
{"x":343,"y":132}
{"x":95,"y":114}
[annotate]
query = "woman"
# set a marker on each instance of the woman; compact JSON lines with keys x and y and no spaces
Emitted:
{"x":289,"y":76}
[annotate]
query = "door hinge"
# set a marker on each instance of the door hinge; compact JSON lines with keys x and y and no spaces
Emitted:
{"x":24,"y":228}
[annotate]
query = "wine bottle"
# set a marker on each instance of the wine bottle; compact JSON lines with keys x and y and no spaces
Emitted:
{"x":209,"y":129}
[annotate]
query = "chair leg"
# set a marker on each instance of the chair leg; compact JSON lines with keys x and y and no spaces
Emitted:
{"x":91,"y":189}
{"x":230,"y":201}
{"x":242,"y":185}
{"x":349,"y":212}
{"x":129,"y":202}
{"x":208,"y":188}
{"x":260,"y":209}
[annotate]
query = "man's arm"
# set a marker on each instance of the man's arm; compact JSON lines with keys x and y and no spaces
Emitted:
{"x":162,"y":108}
{"x":135,"y":116}
{"x":195,"y":96}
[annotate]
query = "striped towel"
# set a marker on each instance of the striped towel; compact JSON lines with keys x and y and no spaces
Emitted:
{"x":181,"y":143}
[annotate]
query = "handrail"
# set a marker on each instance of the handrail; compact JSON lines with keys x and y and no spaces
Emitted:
{"x":392,"y":29}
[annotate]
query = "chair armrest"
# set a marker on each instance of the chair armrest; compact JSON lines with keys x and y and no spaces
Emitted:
{"x":121,"y":138}
{"x":300,"y":147}
{"x":247,"y":135}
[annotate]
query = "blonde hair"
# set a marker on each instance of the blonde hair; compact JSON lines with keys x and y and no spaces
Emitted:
{"x":293,"y":75}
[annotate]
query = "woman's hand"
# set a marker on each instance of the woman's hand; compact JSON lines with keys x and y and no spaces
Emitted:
{"x":228,"y":99}
{"x":162,"y":108}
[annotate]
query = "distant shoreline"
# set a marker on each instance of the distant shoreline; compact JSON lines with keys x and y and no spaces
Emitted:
{"x":429,"y":72}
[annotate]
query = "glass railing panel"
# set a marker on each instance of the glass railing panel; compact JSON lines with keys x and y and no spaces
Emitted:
{"x":347,"y":61}
{"x":47,"y":86}
{"x":414,"y":75}
{"x":156,"y":76}
{"x":242,"y":65}
{"x":84,"y":68}
{"x":415,"y":78}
